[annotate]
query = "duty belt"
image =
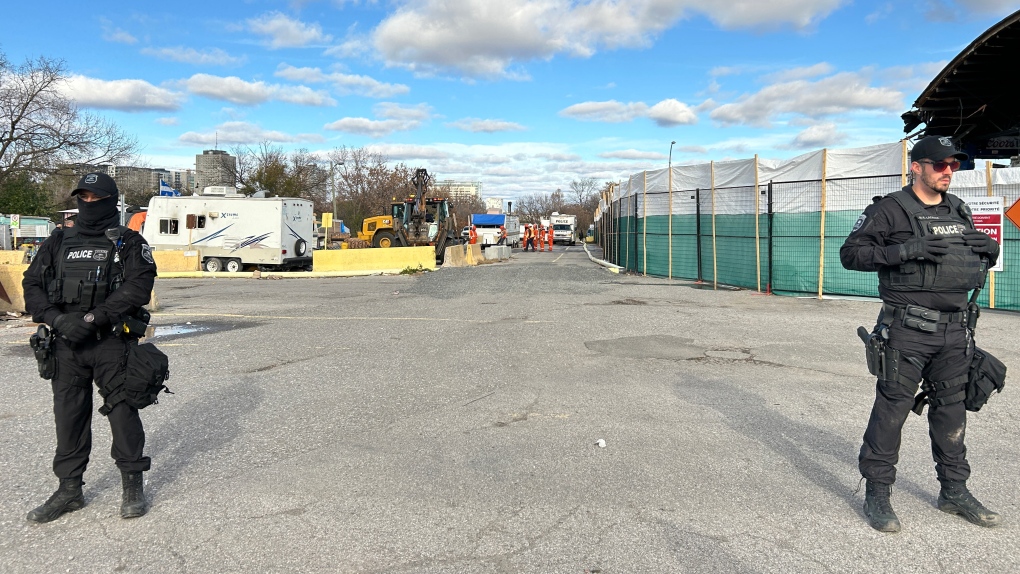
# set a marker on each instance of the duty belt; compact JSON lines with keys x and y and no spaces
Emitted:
{"x":921,"y":318}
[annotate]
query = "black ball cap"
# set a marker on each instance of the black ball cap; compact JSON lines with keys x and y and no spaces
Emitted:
{"x":98,"y":183}
{"x":936,"y":148}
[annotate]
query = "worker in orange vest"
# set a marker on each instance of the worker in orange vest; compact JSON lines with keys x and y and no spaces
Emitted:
{"x":473,"y":236}
{"x":529,"y":238}
{"x":502,"y":235}
{"x":541,"y":238}
{"x":549,"y":237}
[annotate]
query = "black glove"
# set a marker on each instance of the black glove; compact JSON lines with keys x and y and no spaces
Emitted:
{"x":74,"y":328}
{"x":980,"y":242}
{"x":930,"y":247}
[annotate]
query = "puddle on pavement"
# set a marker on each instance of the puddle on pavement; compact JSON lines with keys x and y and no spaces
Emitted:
{"x":175,"y":330}
{"x":165,"y":332}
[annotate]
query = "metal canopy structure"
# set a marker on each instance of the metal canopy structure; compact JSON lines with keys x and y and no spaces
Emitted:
{"x":971,"y":99}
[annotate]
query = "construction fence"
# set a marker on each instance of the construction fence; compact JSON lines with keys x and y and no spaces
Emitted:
{"x":777,"y":226}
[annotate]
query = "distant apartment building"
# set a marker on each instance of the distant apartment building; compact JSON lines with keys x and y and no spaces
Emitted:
{"x":461,"y":189}
{"x":215,"y":167}
{"x":183,"y":180}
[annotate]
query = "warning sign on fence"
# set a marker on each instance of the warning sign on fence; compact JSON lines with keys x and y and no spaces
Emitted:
{"x":988,"y":217}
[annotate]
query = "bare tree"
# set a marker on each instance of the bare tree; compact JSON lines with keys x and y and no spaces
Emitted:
{"x":581,"y":190}
{"x":41,"y":129}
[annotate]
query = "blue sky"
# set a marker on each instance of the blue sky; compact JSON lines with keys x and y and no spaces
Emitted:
{"x":523,"y":95}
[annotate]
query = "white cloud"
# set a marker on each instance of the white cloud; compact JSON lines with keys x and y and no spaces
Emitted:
{"x":241,"y":133}
{"x":482,"y":38}
{"x":633,"y":154}
{"x":396,"y":118}
{"x":818,"y":136}
{"x":402,"y":152}
{"x":238,"y":91}
{"x":910,"y":79}
{"x":367,"y":127}
{"x":112,"y":33}
{"x":842,"y":93}
{"x":168,"y":121}
{"x":212,"y":57}
{"x":669,"y":113}
{"x":485,"y":126}
{"x":123,"y":95}
{"x":344,"y":83}
{"x":802,"y":73}
{"x":611,"y":111}
{"x":285,"y":32}
{"x":389,"y":110}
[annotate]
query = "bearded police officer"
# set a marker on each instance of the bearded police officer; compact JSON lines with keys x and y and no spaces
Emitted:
{"x":922,"y":242}
{"x":86,"y":281}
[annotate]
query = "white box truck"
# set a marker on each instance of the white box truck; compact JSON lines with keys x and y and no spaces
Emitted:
{"x":564,"y":228}
{"x":487,"y":226}
{"x":233,"y":231}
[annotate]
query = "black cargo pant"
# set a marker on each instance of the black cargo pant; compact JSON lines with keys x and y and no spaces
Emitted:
{"x":77,"y":367}
{"x":945,"y":354}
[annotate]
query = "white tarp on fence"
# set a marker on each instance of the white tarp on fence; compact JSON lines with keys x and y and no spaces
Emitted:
{"x":647,"y":193}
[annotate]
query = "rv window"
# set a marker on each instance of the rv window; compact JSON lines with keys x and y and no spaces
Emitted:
{"x":168,"y":226}
{"x":201,"y":222}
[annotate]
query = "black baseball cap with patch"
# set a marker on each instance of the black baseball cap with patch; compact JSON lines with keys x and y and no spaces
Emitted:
{"x":936,"y":148}
{"x":98,"y":183}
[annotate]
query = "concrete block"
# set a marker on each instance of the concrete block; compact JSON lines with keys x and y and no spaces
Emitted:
{"x":497,"y":253}
{"x":13,"y":257}
{"x":375,"y":259}
{"x":12,"y":296}
{"x":177,"y":261}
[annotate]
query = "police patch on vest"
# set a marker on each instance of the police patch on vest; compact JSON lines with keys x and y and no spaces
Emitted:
{"x":859,"y":224}
{"x":83,"y":255}
{"x":946,"y":229}
{"x":147,"y":253}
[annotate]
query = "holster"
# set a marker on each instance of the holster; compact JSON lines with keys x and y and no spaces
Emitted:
{"x":42,"y":346}
{"x":883,"y":362}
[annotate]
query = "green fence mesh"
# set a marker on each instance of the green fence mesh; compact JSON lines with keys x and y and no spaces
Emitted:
{"x":781,"y":253}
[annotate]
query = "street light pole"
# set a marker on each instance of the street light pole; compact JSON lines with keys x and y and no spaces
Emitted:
{"x":669,"y":197}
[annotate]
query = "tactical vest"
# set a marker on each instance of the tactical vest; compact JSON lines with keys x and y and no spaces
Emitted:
{"x":87,"y":269}
{"x":960,"y":270}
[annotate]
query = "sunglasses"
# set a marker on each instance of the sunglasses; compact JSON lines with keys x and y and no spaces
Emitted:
{"x":941,"y":166}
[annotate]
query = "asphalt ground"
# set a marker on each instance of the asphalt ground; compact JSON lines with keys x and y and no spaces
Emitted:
{"x":450,"y":422}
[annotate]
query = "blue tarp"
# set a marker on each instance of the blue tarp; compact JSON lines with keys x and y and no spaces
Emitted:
{"x":488,"y":219}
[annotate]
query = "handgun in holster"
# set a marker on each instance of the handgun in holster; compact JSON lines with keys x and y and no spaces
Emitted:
{"x":883,"y":362}
{"x":42,"y":346}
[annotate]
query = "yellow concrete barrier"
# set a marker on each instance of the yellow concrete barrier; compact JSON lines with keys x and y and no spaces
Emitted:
{"x":394,"y":259}
{"x":463,"y":255}
{"x":12,"y":257}
{"x":177,"y":261}
{"x":474,"y":254}
{"x":10,"y":281}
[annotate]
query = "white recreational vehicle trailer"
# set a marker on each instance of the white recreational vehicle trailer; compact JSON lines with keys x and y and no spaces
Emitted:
{"x":232,"y":231}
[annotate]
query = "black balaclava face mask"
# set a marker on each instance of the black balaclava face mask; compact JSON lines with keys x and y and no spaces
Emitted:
{"x":95,"y":217}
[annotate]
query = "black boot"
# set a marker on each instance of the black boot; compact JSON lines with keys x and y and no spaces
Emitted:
{"x":67,"y":498}
{"x":878,"y":508}
{"x":954,"y":498}
{"x":133,"y":504}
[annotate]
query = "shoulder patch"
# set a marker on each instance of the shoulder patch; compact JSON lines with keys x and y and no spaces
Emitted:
{"x":147,"y":254}
{"x":859,"y":224}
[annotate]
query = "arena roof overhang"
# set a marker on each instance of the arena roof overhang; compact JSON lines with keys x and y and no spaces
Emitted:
{"x":973,"y":99}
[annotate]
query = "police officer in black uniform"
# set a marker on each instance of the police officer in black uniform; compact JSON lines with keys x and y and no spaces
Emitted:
{"x":922,"y":242}
{"x":84,"y":283}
